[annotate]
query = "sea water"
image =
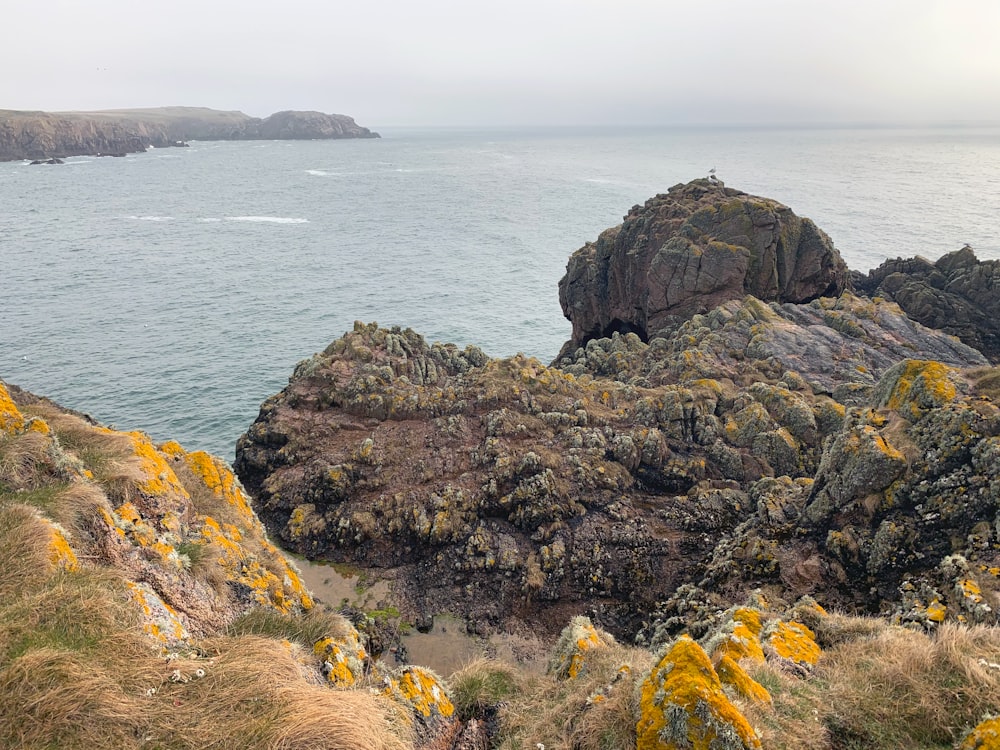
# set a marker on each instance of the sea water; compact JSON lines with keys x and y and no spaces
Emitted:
{"x":173,"y":291}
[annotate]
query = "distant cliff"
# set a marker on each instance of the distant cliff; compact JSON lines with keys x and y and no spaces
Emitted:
{"x":43,"y":135}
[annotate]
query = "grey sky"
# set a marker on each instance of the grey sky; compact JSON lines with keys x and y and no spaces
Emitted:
{"x":514,"y":62}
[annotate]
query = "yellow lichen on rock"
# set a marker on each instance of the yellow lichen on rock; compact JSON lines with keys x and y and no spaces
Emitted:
{"x":134,"y":526}
{"x":577,"y":638}
{"x":986,"y":736}
{"x":283,"y":593}
{"x":159,"y":619}
{"x":936,"y":611}
{"x":220,"y":480}
{"x":39,"y":425}
{"x":732,"y":674}
{"x":740,"y":639}
{"x":793,"y":641}
{"x":421,"y":690}
{"x":61,"y":555}
{"x":343,"y":659}
{"x":11,"y":419}
{"x":158,"y":477}
{"x":682,"y":705}
{"x":917,"y":385}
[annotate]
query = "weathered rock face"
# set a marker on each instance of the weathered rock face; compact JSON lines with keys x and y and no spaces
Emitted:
{"x":290,"y":125}
{"x":958,"y":294}
{"x":503,"y":489}
{"x":42,"y":135}
{"x":688,"y":251}
{"x":489,"y":487}
{"x":900,"y":518}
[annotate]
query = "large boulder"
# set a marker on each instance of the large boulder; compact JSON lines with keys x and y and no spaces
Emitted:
{"x":958,"y":294}
{"x":688,"y":251}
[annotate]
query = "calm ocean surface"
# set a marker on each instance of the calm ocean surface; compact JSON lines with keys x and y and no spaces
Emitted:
{"x":173,"y":291}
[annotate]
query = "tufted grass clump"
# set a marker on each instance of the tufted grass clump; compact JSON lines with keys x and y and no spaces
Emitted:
{"x":482,"y":686}
{"x":594,"y":711}
{"x":986,"y":382}
{"x":305,"y":629}
{"x":903,"y":688}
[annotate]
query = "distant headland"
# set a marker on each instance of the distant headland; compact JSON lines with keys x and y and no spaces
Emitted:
{"x":48,"y":135}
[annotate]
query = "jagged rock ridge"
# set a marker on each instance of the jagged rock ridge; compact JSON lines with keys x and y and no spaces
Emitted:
{"x":686,"y":252}
{"x":958,"y":294}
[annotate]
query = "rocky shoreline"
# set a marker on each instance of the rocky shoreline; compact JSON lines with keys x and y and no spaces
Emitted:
{"x":55,"y":135}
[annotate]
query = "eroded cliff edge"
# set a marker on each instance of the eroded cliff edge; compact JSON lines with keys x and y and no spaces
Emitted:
{"x":44,"y":135}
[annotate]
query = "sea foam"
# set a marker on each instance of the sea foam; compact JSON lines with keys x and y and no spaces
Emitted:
{"x":268,"y":219}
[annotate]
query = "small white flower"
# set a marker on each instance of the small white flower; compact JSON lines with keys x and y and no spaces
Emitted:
{"x":199,"y":673}
{"x":176,"y":676}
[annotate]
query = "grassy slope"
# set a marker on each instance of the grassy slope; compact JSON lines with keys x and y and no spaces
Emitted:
{"x":79,"y":667}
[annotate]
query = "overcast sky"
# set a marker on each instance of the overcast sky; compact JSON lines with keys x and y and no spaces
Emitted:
{"x":514,"y":62}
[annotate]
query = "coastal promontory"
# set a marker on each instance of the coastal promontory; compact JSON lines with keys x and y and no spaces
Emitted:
{"x":47,"y":135}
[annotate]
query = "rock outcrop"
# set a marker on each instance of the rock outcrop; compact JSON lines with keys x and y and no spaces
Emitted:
{"x":44,"y":135}
{"x":506,"y":490}
{"x":958,"y":293}
{"x":686,"y":252}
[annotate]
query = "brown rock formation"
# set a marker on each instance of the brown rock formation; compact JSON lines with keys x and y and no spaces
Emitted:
{"x":504,"y":490}
{"x":959,"y":294}
{"x":688,"y":251}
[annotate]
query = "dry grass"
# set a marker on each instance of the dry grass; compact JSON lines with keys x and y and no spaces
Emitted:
{"x":882,"y":687}
{"x":55,"y":698}
{"x":110,"y":456}
{"x":24,"y":555}
{"x":254,"y":694}
{"x":793,"y":721}
{"x":25,"y":462}
{"x":76,"y":672}
{"x":479,"y":688}
{"x":906,"y":689}
{"x":317,"y":717}
{"x":561,"y":714}
{"x":833,"y":628}
{"x":986,"y":382}
{"x":77,"y":508}
{"x":304,"y":629}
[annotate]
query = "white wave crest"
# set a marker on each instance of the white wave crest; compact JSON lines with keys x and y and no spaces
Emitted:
{"x":150,"y":218}
{"x":317,"y":172}
{"x":268,"y":219}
